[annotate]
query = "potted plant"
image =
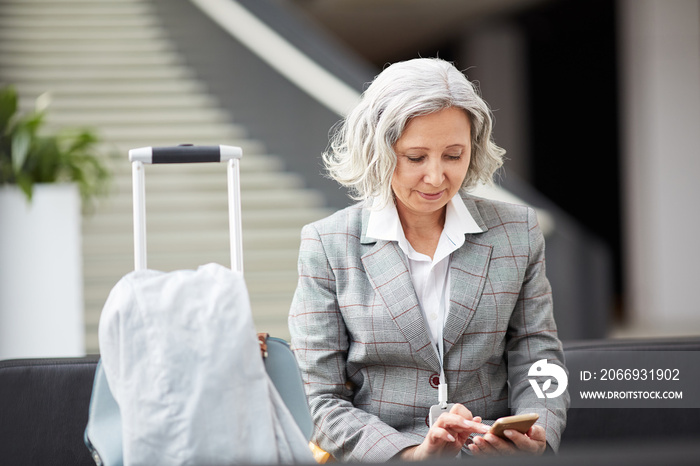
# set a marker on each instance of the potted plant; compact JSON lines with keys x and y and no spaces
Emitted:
{"x":43,"y":178}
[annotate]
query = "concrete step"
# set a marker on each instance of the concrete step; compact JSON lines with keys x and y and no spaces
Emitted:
{"x":179,"y":132}
{"x":90,"y":73}
{"x":79,"y":46}
{"x":112,"y":118}
{"x":53,"y":33}
{"x":110,"y":87}
{"x":60,"y":103}
{"x":63,"y":9}
{"x":203,"y":240}
{"x":89,"y":58}
{"x":104,"y":266}
{"x":255,"y":219}
{"x":263,"y":200}
{"x":203,"y":182}
{"x":34,"y":21}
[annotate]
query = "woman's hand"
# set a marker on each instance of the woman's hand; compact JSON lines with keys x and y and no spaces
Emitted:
{"x":447,"y":435}
{"x":532,"y":442}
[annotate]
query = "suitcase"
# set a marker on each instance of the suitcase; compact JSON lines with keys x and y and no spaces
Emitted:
{"x":103,"y":433}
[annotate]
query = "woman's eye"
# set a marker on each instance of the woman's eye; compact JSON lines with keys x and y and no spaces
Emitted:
{"x":415,"y":158}
{"x":454,"y":156}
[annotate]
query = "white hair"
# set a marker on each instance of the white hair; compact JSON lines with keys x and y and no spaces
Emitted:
{"x":361,"y":155}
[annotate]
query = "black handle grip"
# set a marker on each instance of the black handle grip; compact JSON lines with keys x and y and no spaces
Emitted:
{"x":186,"y":153}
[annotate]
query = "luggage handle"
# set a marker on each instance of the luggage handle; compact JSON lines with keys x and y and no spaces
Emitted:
{"x":186,"y":153}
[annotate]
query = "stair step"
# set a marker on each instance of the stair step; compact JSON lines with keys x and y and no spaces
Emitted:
{"x":112,"y":87}
{"x":189,"y":182}
{"x":268,"y":218}
{"x":88,"y":58}
{"x":268,"y":199}
{"x":111,"y":103}
{"x":30,"y":22}
{"x":89,"y":73}
{"x":195,"y":116}
{"x":171,"y":131}
{"x":80,"y":34}
{"x":201,"y":240}
{"x":79,"y":46}
{"x":60,"y":9}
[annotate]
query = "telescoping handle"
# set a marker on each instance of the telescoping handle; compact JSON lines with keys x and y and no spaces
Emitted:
{"x":186,"y":153}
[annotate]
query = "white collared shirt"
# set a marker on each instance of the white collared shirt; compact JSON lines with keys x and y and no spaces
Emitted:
{"x":430,"y":277}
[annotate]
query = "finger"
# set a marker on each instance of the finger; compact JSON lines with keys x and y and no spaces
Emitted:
{"x":520,"y":441}
{"x":461,"y":410}
{"x":457,"y":423}
{"x":438,"y":435}
{"x":502,"y":446}
{"x":534,"y":441}
{"x":537,"y":433}
{"x":438,"y":442}
{"x":481,"y":447}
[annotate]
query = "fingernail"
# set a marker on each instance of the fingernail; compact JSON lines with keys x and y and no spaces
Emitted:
{"x":450,"y":438}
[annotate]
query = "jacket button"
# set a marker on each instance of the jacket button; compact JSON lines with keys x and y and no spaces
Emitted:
{"x":435,"y":381}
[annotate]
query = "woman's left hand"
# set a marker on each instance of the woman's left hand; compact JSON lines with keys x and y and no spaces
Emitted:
{"x":533,"y":442}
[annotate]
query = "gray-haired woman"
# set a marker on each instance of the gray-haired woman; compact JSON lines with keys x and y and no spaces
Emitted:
{"x":414,"y":297}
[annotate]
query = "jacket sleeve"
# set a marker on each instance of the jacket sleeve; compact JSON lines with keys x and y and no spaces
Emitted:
{"x":532,"y":336}
{"x":320,"y":342}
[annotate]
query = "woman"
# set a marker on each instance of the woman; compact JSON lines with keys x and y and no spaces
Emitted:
{"x":414,"y":296}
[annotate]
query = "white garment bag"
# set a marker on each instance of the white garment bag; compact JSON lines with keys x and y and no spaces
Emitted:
{"x":182,"y":358}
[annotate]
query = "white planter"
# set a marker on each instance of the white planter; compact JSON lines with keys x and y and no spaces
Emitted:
{"x":41,"y":283}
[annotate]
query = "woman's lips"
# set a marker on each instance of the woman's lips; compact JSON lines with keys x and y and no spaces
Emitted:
{"x":431,"y":197}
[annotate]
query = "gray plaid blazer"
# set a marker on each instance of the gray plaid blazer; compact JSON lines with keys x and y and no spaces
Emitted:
{"x":364,"y":349}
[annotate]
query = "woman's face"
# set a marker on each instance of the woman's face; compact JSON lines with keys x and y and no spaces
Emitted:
{"x":433,"y":156}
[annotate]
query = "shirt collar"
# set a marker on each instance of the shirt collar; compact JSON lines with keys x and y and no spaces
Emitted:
{"x":384,"y":224}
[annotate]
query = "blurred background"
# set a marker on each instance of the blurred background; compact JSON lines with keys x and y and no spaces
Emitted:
{"x":597,"y":103}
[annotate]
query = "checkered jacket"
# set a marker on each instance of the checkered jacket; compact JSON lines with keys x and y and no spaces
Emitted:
{"x":364,"y":349}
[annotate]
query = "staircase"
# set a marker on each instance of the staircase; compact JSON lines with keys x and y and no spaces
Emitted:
{"x":108,"y":65}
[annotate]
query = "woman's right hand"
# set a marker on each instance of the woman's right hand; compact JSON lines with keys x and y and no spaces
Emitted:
{"x":447,"y":435}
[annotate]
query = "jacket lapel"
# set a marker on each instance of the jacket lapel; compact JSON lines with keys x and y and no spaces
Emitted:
{"x":468,"y":267}
{"x":386,"y":267}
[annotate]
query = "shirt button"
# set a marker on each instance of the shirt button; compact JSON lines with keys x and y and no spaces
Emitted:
{"x":433,"y":316}
{"x":434,"y":381}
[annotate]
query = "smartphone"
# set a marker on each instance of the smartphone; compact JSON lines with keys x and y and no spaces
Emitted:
{"x":519,"y":422}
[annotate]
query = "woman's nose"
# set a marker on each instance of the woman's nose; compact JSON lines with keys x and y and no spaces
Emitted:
{"x":434,"y":174}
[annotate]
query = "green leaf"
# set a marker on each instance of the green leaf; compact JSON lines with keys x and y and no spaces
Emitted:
{"x":8,"y":107}
{"x":26,"y":185}
{"x":21,"y":141}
